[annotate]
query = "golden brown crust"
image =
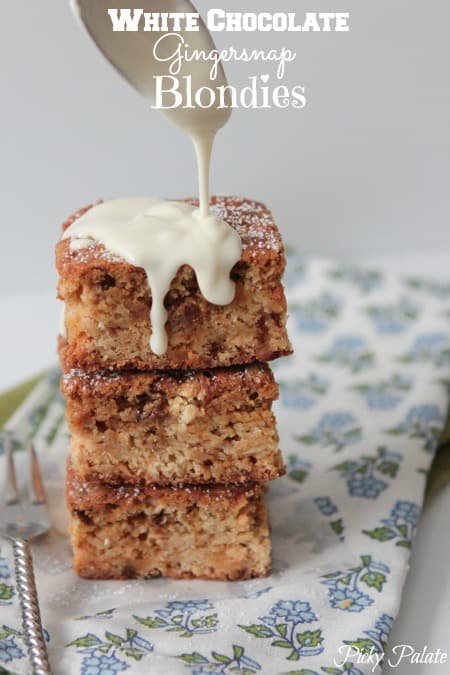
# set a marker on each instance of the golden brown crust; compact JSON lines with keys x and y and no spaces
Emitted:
{"x":84,"y":494}
{"x":211,"y":426}
{"x":133,"y":424}
{"x":199,"y":385}
{"x":108,"y":304}
{"x":81,"y":354}
{"x":218,"y":532}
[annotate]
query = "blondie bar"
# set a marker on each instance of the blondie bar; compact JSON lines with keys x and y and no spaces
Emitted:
{"x":211,"y":426}
{"x":130,"y":531}
{"x":107,"y":304}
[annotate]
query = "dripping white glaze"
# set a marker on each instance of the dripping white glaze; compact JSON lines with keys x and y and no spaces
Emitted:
{"x":161,"y":236}
{"x":149,"y":232}
{"x":144,"y":58}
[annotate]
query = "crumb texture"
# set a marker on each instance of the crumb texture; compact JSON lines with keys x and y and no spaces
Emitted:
{"x":174,"y":428}
{"x":108,"y":304}
{"x":193,"y":532}
{"x":169,"y":455}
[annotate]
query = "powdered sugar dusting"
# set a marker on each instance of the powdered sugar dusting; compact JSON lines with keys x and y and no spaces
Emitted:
{"x":251,"y":219}
{"x":160,"y":237}
{"x":251,"y":376}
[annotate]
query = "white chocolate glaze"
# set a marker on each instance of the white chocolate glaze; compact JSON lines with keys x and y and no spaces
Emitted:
{"x":149,"y":232}
{"x":161,"y":236}
{"x":150,"y":61}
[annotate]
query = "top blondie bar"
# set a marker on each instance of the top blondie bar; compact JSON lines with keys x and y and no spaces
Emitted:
{"x":107,"y":304}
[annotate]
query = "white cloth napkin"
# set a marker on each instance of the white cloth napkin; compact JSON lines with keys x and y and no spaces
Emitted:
{"x":362,"y":403}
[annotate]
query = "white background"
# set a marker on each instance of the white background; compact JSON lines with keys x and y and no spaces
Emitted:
{"x":362,"y":172}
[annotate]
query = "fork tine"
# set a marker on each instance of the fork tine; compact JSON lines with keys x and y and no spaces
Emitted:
{"x":11,"y":491}
{"x":36,"y":486}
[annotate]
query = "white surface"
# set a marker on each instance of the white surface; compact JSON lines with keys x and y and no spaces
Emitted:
{"x":28,"y":335}
{"x":29,"y":346}
{"x":424,"y":617}
{"x":368,"y":159}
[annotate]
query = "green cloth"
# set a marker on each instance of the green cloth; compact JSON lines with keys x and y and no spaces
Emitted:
{"x":10,"y":400}
{"x":440,"y":469}
{"x":438,"y":477}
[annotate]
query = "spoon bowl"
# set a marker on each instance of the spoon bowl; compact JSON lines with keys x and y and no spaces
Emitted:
{"x":146,"y":60}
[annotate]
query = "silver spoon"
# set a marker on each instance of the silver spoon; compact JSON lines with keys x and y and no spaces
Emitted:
{"x":132,"y":55}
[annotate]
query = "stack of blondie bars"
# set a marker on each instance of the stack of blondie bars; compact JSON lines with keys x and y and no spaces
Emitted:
{"x":169,"y":454}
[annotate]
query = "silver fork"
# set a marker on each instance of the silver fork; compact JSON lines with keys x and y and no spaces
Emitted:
{"x":21,"y":520}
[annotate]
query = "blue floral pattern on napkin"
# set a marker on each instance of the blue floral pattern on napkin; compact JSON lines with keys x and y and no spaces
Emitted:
{"x":362,"y":403}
